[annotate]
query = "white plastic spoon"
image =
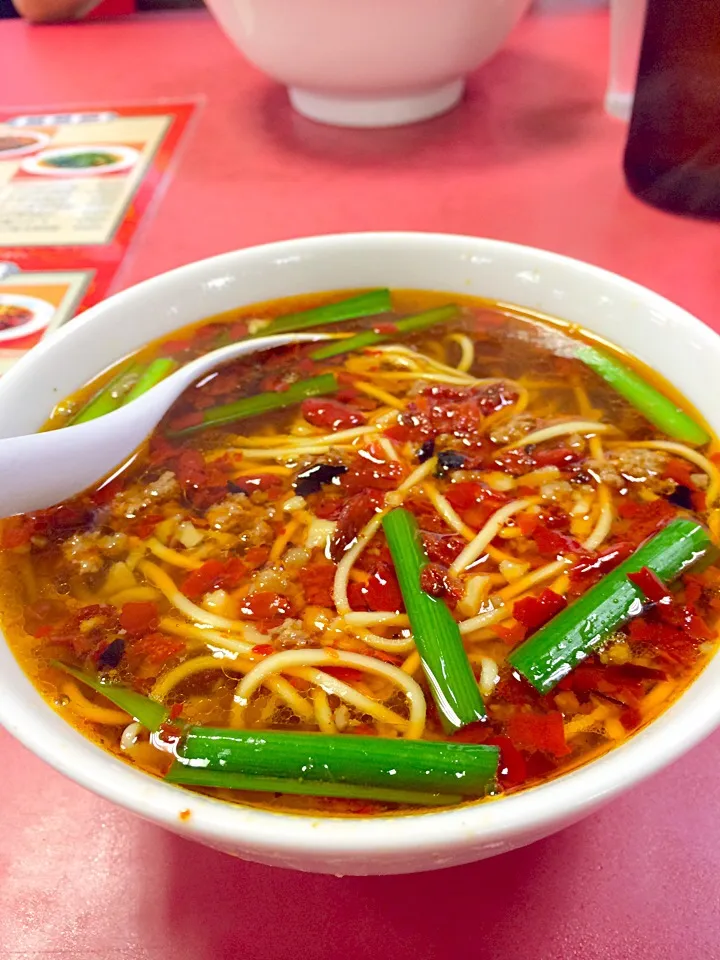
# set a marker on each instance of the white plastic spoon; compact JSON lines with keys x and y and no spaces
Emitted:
{"x":42,"y":469}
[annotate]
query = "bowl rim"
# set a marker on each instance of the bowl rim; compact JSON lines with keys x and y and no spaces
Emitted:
{"x":282,"y":836}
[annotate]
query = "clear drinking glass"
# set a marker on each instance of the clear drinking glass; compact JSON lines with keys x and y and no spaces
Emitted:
{"x":627,"y":22}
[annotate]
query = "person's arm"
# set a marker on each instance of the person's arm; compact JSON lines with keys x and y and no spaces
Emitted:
{"x":53,"y":11}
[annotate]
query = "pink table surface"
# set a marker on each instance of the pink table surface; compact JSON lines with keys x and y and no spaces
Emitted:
{"x":528,"y":157}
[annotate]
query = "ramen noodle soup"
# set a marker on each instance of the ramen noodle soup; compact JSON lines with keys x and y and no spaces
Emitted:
{"x":449,"y":551}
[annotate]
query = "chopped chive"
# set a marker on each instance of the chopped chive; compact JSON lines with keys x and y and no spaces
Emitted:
{"x":197,"y":777}
{"x":315,"y":758}
{"x":654,"y":406}
{"x":149,"y":713}
{"x":262,"y":403}
{"x":437,"y":635}
{"x":109,"y":397}
{"x":558,"y":647}
{"x":155,"y":371}
{"x":369,"y":338}
{"x":368,"y":304}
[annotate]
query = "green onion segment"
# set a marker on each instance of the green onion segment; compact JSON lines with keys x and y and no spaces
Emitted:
{"x":369,"y":338}
{"x":149,"y":713}
{"x":654,"y":406}
{"x":437,"y":635}
{"x":368,"y":304}
{"x":563,"y":643}
{"x":372,"y":763}
{"x":262,"y":403}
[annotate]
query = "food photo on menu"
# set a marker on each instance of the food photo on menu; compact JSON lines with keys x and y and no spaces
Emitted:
{"x":359,"y":479}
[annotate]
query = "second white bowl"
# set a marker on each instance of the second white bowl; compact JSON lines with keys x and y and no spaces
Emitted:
{"x":369,"y":63}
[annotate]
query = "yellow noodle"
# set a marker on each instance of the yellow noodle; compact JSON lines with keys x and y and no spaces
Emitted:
{"x":378,"y":394}
{"x":191,"y":610}
{"x":291,"y":440}
{"x":292,"y":659}
{"x":290,"y":453}
{"x":361,"y":619}
{"x":583,"y":427}
{"x":412,"y":663}
{"x":467,"y":350}
{"x":604,"y":521}
{"x":532,"y":579}
{"x":181,"y":629}
{"x":323,"y":713}
{"x":388,"y":448}
{"x":91,"y":711}
{"x":173,"y":557}
{"x":478,"y":545}
{"x":659,"y":694}
{"x":134,"y":595}
{"x":283,"y":539}
{"x":585,"y":721}
{"x":347,"y":693}
{"x":189,"y":668}
{"x":498,"y":611}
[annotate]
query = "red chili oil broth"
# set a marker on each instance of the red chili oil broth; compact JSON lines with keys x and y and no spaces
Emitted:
{"x":56,"y":600}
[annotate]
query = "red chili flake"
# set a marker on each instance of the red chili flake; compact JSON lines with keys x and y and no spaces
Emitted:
{"x":539,"y":731}
{"x":381,"y":591}
{"x":353,"y":516}
{"x":175,"y":710}
{"x":474,"y":502}
{"x":679,"y":471}
{"x":214,"y":575}
{"x":44,"y":631}
{"x":437,"y":582}
{"x":385,"y":657}
{"x":512,"y":768}
{"x":255,"y":557}
{"x":676,"y":644}
{"x":555,"y":457}
{"x":527,"y":523}
{"x":176,"y":346}
{"x":363,"y":730}
{"x":443,"y":548}
{"x":594,"y":568}
{"x":139,"y":618}
{"x":534,"y":612}
{"x":511,"y":632}
{"x":266,"y":605}
{"x":346,"y":674}
{"x":631,"y":718}
{"x":330,"y":414}
{"x":17,"y":536}
{"x":144,"y":527}
{"x":263,"y":649}
{"x":157,"y":648}
{"x":59,"y":523}
{"x":644,"y":518}
{"x":369,"y":472}
{"x":262,"y":481}
{"x":553,"y":545}
{"x":317,"y":583}
{"x":648,"y":582}
{"x":193,"y":418}
{"x":386,"y":328}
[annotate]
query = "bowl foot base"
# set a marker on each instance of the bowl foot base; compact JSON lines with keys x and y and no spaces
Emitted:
{"x":348,"y":111}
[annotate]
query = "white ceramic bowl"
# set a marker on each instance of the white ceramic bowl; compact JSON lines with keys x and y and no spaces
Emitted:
{"x":670,"y":340}
{"x":369,"y":63}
